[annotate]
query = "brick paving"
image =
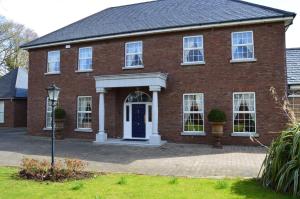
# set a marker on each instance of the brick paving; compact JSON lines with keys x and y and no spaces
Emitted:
{"x":171,"y":159}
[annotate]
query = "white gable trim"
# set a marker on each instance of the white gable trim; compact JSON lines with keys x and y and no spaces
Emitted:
{"x":152,"y":80}
{"x":288,"y":21}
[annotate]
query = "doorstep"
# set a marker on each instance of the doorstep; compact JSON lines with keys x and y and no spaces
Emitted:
{"x":122,"y":142}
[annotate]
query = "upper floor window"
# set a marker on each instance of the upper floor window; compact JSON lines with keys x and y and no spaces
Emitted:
{"x":134,"y":54}
{"x":193,"y":49}
{"x":242,"y":45}
{"x":244,"y":112}
{"x":193,"y":113}
{"x":85,"y":59}
{"x":53,"y":65}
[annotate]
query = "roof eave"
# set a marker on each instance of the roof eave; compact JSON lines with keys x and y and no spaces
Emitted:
{"x":287,"y":19}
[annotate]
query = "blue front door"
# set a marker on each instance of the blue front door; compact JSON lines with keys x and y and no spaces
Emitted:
{"x":138,"y":121}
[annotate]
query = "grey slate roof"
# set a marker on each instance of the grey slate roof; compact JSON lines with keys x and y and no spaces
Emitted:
{"x":293,"y":65}
{"x":14,"y":84}
{"x":160,"y":14}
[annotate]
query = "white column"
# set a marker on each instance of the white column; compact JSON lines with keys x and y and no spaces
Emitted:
{"x":102,"y":135}
{"x":155,"y":138}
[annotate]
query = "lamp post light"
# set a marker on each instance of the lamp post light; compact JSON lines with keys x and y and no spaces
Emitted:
{"x":53,"y":93}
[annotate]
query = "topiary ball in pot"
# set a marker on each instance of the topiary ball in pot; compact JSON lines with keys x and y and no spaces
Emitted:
{"x":217,"y":118}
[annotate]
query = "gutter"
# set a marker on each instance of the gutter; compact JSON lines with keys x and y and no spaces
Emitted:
{"x":289,"y":21}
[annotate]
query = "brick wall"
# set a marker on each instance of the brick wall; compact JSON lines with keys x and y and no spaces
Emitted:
{"x":217,"y":79}
{"x":15,"y":113}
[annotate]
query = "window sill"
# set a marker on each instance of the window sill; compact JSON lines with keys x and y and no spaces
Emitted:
{"x":245,"y":134}
{"x":84,"y":130}
{"x":193,"y":134}
{"x":132,"y":67}
{"x":47,"y":129}
{"x":84,"y":71}
{"x":193,"y":63}
{"x":52,"y":73}
{"x":242,"y":60}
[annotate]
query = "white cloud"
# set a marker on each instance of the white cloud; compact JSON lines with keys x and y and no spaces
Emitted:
{"x":44,"y":16}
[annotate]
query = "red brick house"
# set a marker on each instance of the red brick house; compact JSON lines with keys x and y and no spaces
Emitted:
{"x":152,"y":71}
{"x":13,"y":99}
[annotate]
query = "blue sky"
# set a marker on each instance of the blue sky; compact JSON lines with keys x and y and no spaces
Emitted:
{"x":44,"y":16}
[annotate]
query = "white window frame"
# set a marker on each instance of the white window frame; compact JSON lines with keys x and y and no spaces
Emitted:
{"x":237,"y":45}
{"x":243,"y":134}
{"x":77,"y":112}
{"x":47,"y":104}
{"x":85,"y":70}
{"x":2,"y":104}
{"x":185,"y":49}
{"x":126,"y":54}
{"x":197,"y":133}
{"x":53,"y":72}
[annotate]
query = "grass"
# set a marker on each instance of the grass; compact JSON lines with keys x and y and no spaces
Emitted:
{"x":124,"y":186}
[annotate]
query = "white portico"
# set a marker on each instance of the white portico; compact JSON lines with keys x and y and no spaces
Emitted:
{"x":133,"y":109}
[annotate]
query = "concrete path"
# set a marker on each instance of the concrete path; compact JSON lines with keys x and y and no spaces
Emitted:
{"x":170,"y":159}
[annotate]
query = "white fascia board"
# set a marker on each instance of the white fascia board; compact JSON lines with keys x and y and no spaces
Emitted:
{"x":130,"y":80}
{"x":259,"y":21}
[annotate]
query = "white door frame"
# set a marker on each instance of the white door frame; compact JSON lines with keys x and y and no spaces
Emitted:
{"x":127,"y":125}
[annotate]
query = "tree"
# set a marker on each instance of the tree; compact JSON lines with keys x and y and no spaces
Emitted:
{"x":12,"y":36}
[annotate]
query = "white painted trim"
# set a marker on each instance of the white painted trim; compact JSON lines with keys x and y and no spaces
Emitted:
{"x":247,"y":59}
{"x":293,"y":96}
{"x":202,"y":48}
{"x":203,"y":117}
{"x":193,"y":133}
{"x":242,"y":133}
{"x":295,"y":87}
{"x":193,"y":63}
{"x":242,"y":60}
{"x":59,"y":56}
{"x":78,"y":64}
{"x":52,"y":73}
{"x":47,"y":129}
{"x":131,"y":80}
{"x":132,"y":67}
{"x":84,"y":71}
{"x":87,"y":130}
{"x":225,"y":24}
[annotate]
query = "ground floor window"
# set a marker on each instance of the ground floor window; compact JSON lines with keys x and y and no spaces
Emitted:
{"x":193,"y":112}
{"x":244,"y":112}
{"x":295,"y":106}
{"x":84,"y":112}
{"x":49,"y":113}
{"x":1,"y":111}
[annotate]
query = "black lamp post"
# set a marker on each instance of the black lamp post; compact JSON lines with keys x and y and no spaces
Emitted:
{"x":53,"y":93}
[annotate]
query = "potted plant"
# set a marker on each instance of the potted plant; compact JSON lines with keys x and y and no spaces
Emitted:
{"x":60,"y":116}
{"x":217,"y":118}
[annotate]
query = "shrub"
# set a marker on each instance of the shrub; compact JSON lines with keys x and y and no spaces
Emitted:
{"x":281,"y":167}
{"x":41,"y":170}
{"x":216,"y":115}
{"x":60,"y":113}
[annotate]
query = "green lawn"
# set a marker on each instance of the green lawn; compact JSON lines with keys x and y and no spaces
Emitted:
{"x":118,"y":186}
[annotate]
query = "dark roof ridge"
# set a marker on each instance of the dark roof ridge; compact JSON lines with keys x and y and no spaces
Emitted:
{"x":265,"y":7}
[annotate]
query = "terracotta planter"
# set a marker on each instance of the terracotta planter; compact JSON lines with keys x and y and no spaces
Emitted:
{"x":59,"y":128}
{"x":217,"y":132}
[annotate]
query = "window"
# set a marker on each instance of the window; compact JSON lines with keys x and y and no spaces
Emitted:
{"x":242,"y":45}
{"x":193,"y":49}
{"x":85,"y":59}
{"x":294,"y":101}
{"x":193,"y":112}
{"x":134,"y":54}
{"x":84,"y":112}
{"x":53,"y":65}
{"x":149,"y":113}
{"x":49,"y":113}
{"x":127,"y":113}
{"x":1,"y":111}
{"x":244,"y":113}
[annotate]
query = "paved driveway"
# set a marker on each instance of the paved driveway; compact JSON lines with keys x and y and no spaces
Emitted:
{"x":170,"y":159}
